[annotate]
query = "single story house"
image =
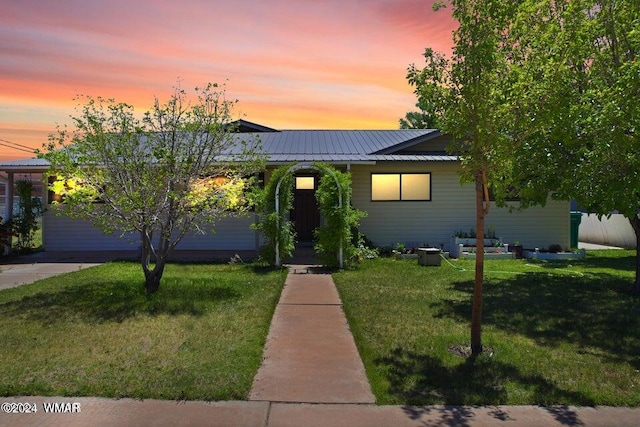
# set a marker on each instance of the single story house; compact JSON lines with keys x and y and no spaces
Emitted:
{"x":403,"y":179}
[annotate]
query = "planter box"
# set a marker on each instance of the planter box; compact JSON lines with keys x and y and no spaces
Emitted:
{"x":502,"y":255}
{"x":550,"y":256}
{"x":461,"y":244}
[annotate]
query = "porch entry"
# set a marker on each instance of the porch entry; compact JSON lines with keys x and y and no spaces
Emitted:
{"x":305,"y":214}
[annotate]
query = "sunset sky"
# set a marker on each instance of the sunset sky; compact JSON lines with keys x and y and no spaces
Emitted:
{"x":305,"y":64}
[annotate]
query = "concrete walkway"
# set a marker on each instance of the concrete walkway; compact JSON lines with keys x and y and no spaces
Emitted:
{"x":311,"y":376}
{"x":310,"y":355}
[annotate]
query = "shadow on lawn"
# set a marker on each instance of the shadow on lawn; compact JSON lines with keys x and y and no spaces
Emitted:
{"x":612,"y":260}
{"x":421,"y":379}
{"x":596,"y":311}
{"x":112,"y":301}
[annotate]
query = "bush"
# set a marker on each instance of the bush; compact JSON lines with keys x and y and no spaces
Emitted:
{"x":555,"y":248}
{"x":276,"y":227}
{"x":25,"y":223}
{"x":340,"y":221}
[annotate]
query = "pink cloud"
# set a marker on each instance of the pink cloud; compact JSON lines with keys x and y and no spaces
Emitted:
{"x":294,"y":64}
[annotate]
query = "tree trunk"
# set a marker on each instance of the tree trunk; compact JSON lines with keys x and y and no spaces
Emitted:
{"x":476,"y":310}
{"x":635,"y":223}
{"x":152,"y":276}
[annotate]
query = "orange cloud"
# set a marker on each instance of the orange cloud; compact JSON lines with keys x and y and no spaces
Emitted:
{"x":292,"y":64}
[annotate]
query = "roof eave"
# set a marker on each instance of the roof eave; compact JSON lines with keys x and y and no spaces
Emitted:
{"x":24,"y":169}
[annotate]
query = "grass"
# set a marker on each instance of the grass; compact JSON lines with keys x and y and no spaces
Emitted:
{"x":96,"y":332}
{"x":556,"y":333}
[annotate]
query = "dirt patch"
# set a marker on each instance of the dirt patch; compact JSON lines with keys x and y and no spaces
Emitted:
{"x":464,"y":350}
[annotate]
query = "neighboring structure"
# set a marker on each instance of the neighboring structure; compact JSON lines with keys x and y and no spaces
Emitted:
{"x":614,"y":230}
{"x":403,"y":179}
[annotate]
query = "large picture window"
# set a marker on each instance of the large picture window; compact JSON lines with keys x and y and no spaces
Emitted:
{"x":400,"y":186}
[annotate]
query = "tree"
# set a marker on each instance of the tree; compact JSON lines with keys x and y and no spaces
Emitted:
{"x":424,"y":118}
{"x":608,"y":152}
{"x":25,"y":223}
{"x":170,"y":172}
{"x":469,"y":102}
{"x":612,"y":102}
{"x":577,"y":82}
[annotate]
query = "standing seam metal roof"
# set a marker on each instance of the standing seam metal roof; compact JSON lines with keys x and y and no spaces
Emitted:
{"x":322,"y":145}
{"x":337,"y":141}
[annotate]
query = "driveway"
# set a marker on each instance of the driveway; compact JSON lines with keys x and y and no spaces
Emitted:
{"x":29,"y":268}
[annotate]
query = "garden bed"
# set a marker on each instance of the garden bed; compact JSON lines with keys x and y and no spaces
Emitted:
{"x":459,"y":245}
{"x":491,"y":255}
{"x":552,"y":256}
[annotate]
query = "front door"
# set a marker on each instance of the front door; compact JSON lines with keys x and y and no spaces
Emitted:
{"x":305,"y":214}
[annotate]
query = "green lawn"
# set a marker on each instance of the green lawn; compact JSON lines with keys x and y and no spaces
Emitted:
{"x":96,"y":332}
{"x":554,"y":333}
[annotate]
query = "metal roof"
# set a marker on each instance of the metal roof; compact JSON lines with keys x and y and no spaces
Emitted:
{"x":334,"y":146}
{"x":339,"y":141}
{"x":22,"y":164}
{"x":348,"y":146}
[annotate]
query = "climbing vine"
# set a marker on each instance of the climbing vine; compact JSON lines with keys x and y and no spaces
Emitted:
{"x":340,"y":218}
{"x":276,"y":227}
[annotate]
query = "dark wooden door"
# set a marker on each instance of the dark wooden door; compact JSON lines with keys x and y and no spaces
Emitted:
{"x":305,"y":214}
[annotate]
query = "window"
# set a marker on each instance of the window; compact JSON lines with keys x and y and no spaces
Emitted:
{"x":400,"y":186}
{"x":305,"y":183}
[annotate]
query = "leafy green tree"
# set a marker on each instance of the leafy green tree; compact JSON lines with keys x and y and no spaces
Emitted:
{"x":576,"y":82}
{"x":424,"y":118}
{"x":470,"y":101}
{"x":178,"y":167}
{"x":609,"y":154}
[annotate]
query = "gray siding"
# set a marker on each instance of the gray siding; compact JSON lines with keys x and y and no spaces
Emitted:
{"x":228,"y":234}
{"x":451,"y":209}
{"x":61,"y":233}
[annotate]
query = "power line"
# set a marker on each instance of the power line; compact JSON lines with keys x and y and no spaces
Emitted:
{"x":31,"y":151}
{"x":15,"y":143}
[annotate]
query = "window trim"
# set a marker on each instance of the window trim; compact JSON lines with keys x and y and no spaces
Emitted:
{"x":400,"y":199}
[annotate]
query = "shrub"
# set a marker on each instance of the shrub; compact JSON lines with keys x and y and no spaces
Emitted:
{"x":276,"y":227}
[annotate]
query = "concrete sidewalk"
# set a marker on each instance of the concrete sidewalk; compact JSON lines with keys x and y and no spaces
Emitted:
{"x":129,"y":412}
